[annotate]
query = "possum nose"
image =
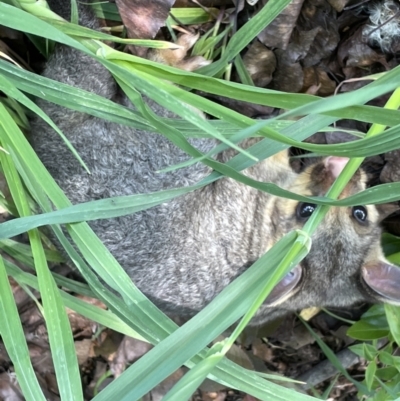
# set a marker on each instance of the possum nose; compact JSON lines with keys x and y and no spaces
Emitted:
{"x":284,"y":289}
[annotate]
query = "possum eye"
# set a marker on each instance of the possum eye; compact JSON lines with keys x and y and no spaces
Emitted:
{"x":305,"y":210}
{"x":360,"y":213}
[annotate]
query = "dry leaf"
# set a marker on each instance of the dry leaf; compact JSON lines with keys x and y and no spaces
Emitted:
{"x":277,"y":33}
{"x":260,"y":62}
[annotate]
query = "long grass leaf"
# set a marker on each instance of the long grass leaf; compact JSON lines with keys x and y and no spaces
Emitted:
{"x":57,"y":323}
{"x":334,"y":360}
{"x":13,"y":337}
{"x":246,"y":34}
{"x":101,"y":316}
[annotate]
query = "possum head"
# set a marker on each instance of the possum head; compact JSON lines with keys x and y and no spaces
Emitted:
{"x":345,"y":264}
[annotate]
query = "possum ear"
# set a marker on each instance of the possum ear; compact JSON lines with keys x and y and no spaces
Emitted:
{"x":384,"y":279}
{"x":335,"y":164}
{"x":285,"y":288}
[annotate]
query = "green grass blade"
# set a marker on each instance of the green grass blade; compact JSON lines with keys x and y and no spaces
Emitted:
{"x":334,"y":360}
{"x":73,"y":98}
{"x":58,"y":327}
{"x":57,"y":323}
{"x":101,"y":316}
{"x":13,"y":337}
{"x":246,"y":34}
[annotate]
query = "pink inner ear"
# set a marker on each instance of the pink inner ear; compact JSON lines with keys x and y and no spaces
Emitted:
{"x":384,"y":279}
{"x":335,"y":164}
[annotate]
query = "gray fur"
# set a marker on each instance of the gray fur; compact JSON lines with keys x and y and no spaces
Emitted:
{"x":181,"y":254}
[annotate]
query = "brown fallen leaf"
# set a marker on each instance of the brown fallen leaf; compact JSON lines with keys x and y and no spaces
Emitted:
{"x":353,"y":81}
{"x":317,"y":77}
{"x":338,"y":5}
{"x":144,"y":18}
{"x":129,"y":351}
{"x":177,"y":57}
{"x":158,"y":392}
{"x":97,"y":371}
{"x":288,"y":77}
{"x":106,"y":344}
{"x":317,"y":21}
{"x":278,"y":32}
{"x":262,"y":351}
{"x":260,"y":62}
{"x":300,"y":338}
{"x":82,"y":349}
{"x":9,"y":389}
{"x":355,"y":52}
{"x":82,"y":326}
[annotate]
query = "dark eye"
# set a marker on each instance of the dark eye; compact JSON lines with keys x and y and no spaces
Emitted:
{"x":305,"y":210}
{"x":360,"y":213}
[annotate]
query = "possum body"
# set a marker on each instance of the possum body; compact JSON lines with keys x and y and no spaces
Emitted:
{"x":182,"y":253}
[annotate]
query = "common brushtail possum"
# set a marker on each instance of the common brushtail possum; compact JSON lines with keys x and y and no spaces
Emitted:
{"x":182,"y":253}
